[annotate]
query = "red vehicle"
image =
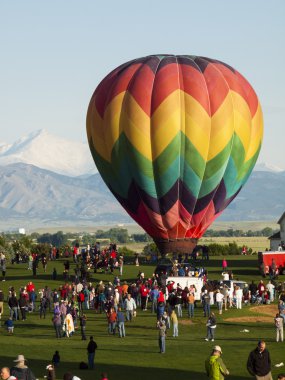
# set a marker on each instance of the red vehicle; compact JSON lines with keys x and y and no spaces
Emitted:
{"x":275,"y":258}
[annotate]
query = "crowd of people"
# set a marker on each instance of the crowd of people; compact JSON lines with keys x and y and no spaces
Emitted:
{"x":120,"y":300}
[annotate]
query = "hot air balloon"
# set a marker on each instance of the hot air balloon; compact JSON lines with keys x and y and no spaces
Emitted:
{"x":174,"y":138}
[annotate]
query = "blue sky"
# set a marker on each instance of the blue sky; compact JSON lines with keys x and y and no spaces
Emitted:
{"x":54,"y":54}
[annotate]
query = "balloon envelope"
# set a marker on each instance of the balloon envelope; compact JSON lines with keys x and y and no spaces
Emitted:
{"x":175,"y":138}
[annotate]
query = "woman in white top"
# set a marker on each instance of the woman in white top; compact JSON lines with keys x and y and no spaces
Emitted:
{"x":219,"y":300}
{"x":211,"y":295}
{"x":239,"y":295}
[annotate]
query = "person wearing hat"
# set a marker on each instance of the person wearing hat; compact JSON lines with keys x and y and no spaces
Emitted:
{"x":214,"y":365}
{"x":21,"y":371}
{"x":50,"y":372}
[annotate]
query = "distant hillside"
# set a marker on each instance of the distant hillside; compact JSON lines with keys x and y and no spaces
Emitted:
{"x":262,"y":198}
{"x":33,"y":196}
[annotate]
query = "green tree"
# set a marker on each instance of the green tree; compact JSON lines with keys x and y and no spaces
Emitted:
{"x":141,"y":238}
{"x":267,"y":231}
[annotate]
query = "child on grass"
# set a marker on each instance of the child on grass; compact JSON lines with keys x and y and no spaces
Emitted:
{"x":10,"y":325}
{"x":56,"y":359}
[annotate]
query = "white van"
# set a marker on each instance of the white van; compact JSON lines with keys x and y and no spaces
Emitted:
{"x":187,"y":282}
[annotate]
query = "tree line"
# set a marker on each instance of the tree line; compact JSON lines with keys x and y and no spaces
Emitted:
{"x":12,"y":243}
{"x":266,"y":232}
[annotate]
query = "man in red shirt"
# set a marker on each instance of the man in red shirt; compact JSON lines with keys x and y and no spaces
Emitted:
{"x":144,"y":294}
{"x":30,"y":287}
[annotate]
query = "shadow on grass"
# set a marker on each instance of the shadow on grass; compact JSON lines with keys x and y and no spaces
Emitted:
{"x":258,"y":325}
{"x":114,"y":371}
{"x":30,"y":277}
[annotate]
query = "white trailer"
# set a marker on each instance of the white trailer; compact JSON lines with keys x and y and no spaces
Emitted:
{"x":187,"y":282}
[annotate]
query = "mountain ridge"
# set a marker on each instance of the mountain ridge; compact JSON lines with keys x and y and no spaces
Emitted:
{"x":35,"y":196}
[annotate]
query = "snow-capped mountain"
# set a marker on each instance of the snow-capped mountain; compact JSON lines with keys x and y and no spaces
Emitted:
{"x":264,"y":167}
{"x":62,"y":156}
{"x":50,"y":152}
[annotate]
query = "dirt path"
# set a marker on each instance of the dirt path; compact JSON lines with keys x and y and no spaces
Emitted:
{"x":269,"y":311}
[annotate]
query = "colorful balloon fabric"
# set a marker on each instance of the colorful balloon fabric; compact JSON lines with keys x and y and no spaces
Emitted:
{"x":175,"y":138}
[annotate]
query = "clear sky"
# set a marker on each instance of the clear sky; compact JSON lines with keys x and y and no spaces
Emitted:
{"x":54,"y":54}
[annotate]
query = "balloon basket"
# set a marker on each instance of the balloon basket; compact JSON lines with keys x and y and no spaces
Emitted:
{"x":176,"y":245}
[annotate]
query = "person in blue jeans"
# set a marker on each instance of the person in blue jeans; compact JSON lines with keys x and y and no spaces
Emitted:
{"x":91,"y":349}
{"x":161,"y":336}
{"x":211,"y":326}
{"x":121,"y":323}
{"x":206,"y":303}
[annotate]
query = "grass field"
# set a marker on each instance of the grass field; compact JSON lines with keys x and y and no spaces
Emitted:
{"x":136,"y":229}
{"x":136,"y":356}
{"x":256,"y":243}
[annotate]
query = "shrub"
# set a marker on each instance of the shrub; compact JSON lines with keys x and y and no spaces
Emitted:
{"x":226,"y":249}
{"x":124,"y":251}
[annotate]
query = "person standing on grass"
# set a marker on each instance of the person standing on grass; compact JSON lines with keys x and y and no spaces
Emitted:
{"x":34,"y":267}
{"x":211,"y":326}
{"x":278,"y":321}
{"x":10,"y":325}
{"x":91,"y":349}
{"x":259,"y":362}
{"x":57,"y":325}
{"x":121,"y":323}
{"x":224,"y":264}
{"x":239,"y":294}
{"x":13,"y":305}
{"x":21,"y":371}
{"x":174,"y":321}
{"x":191,"y":304}
{"x":214,"y":365}
{"x":161,"y":336}
{"x":23,"y":303}
{"x":112,"y":317}
{"x":281,"y":376}
{"x":56,"y":359}
{"x":206,"y":303}
{"x":43,"y":306}
{"x":219,"y":300}
{"x":130,"y":307}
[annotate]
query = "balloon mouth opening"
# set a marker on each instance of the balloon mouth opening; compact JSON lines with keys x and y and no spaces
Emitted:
{"x":185,"y":245}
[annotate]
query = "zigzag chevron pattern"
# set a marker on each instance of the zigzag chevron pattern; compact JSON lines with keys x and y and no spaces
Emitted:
{"x":175,"y":138}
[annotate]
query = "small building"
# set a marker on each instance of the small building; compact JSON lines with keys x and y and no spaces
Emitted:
{"x":279,"y":237}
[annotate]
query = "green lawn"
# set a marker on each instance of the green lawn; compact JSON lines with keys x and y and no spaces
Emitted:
{"x":136,"y":356}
